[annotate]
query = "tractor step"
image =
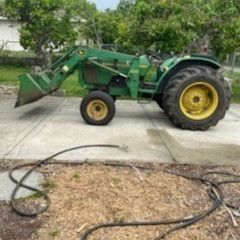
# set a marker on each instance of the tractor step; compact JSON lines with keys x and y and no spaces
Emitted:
{"x":148,"y":91}
{"x":147,"y":85}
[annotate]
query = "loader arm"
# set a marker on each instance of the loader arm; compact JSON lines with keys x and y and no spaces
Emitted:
{"x":35,"y":86}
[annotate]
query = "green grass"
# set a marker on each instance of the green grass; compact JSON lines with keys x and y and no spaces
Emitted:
{"x":234,"y":75}
{"x":48,"y":184}
{"x":54,"y":233}
{"x":9,"y":75}
{"x":76,"y":177}
{"x":235,"y":85}
{"x":71,"y":87}
{"x":236,"y":91}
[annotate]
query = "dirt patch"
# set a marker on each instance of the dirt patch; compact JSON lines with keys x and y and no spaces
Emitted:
{"x":82,"y":196}
{"x":8,"y":89}
{"x":13,"y":226}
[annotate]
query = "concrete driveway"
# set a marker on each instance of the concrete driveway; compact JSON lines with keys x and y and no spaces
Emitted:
{"x":38,"y":130}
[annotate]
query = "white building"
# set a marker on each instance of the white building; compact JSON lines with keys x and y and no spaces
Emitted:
{"x":9,"y":35}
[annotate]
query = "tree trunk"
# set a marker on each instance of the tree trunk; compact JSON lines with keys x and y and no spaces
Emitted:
{"x":202,"y":45}
{"x":205,"y":47}
{"x":41,"y":51}
{"x":47,"y":58}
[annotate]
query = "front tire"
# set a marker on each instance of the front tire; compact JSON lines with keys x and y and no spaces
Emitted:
{"x":98,"y":108}
{"x":196,"y":98}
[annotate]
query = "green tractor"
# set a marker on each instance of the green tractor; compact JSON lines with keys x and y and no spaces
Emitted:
{"x":190,"y":89}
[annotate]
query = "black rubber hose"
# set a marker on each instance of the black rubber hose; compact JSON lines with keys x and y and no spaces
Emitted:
{"x":223,"y":174}
{"x":183,"y":222}
{"x":20,"y":183}
{"x":215,"y":194}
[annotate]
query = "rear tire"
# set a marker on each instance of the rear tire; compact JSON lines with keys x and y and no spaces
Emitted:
{"x":196,"y":98}
{"x":114,"y":98}
{"x":98,"y":108}
{"x":159,"y":100}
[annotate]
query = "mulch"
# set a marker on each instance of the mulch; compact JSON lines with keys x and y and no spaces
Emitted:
{"x":82,"y":196}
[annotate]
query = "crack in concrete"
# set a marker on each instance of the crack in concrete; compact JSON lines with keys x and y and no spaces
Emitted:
{"x":34,"y":125}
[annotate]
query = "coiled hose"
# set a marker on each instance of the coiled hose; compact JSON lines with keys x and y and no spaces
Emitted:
{"x":215,"y":195}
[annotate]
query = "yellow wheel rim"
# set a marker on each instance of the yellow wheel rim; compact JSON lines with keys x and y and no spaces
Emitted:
{"x":199,"y":101}
{"x":97,"y":110}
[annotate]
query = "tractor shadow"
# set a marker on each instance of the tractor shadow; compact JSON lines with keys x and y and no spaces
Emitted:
{"x":34,"y":113}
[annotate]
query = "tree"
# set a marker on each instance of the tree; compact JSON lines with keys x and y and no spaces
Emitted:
{"x":182,"y":26}
{"x":157,"y":24}
{"x":217,"y":24}
{"x":102,"y":27}
{"x":224,"y":21}
{"x":84,"y":13}
{"x":125,"y":6}
{"x":137,"y":25}
{"x":107,"y":23}
{"x":1,"y":7}
{"x":46,"y":24}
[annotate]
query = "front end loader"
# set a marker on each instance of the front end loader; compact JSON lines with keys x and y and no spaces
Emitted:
{"x":190,"y":89}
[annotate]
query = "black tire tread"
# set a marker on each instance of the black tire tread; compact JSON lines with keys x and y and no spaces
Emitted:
{"x":174,"y":84}
{"x":102,"y":96}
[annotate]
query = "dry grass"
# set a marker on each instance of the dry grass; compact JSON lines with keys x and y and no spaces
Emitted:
{"x":87,"y":195}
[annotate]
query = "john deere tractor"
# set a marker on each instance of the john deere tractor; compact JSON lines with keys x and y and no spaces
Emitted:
{"x":190,"y":89}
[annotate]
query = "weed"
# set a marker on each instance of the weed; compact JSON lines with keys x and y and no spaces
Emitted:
{"x":116,"y":180}
{"x":54,"y":233}
{"x":76,"y":177}
{"x":48,"y":184}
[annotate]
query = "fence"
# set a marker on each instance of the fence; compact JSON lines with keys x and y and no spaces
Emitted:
{"x":232,"y":62}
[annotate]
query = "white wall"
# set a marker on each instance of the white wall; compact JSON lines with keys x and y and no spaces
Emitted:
{"x":9,"y":36}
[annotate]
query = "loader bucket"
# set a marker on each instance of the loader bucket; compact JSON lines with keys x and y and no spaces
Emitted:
{"x":29,"y":90}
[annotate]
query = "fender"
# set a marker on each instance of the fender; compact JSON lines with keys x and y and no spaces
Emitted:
{"x":173,"y":65}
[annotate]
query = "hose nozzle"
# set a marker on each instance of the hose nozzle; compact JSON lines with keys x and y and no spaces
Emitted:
{"x":124,"y":148}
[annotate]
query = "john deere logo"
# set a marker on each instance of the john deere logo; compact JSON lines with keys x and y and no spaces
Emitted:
{"x":237,"y":4}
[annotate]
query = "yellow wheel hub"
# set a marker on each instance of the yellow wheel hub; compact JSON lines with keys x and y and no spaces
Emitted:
{"x":97,"y":110}
{"x":199,"y":101}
